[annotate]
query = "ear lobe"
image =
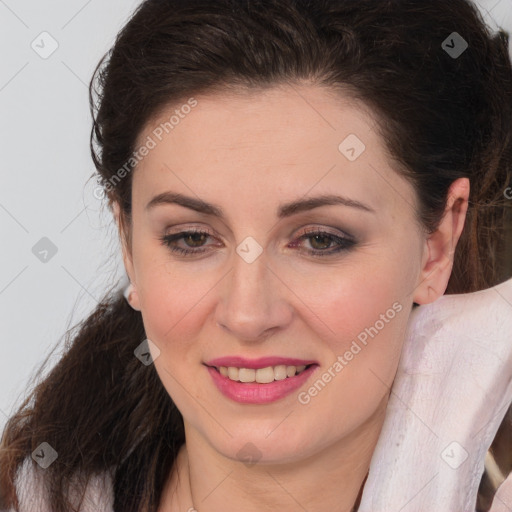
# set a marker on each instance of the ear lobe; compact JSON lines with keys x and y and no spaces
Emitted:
{"x":436,"y":271}
{"x":440,"y":245}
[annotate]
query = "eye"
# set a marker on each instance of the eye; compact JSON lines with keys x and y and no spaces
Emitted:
{"x":192,"y":237}
{"x":322,"y":243}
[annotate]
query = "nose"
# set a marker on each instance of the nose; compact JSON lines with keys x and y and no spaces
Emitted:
{"x":253,"y":303}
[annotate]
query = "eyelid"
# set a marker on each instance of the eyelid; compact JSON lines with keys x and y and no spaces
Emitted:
{"x":327,"y":230}
{"x":336,"y":232}
{"x":188,"y":229}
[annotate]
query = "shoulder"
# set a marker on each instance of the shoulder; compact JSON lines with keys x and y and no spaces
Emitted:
{"x":32,"y":495}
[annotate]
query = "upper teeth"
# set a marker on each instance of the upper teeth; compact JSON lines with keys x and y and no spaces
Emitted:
{"x":261,"y":375}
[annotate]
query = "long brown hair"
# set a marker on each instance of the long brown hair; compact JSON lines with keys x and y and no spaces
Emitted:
{"x":442,"y":116}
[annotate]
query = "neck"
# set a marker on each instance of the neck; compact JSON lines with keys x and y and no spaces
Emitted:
{"x":203,"y":480}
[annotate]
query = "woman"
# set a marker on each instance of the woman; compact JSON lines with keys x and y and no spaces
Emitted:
{"x":284,"y":175}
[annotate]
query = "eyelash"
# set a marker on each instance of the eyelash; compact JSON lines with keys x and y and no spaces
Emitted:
{"x":344,"y":243}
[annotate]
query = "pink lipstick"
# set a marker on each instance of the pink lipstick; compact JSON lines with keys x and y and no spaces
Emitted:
{"x":278,"y":376}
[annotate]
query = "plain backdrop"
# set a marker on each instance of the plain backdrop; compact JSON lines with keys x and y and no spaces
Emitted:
{"x":59,"y":248}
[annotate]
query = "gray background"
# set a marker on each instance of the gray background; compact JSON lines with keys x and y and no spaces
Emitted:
{"x":46,"y":190}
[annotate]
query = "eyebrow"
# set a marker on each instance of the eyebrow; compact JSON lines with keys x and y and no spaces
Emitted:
{"x":284,"y":210}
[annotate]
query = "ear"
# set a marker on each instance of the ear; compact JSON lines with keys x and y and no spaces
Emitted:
{"x":127,"y":256}
{"x":440,"y":245}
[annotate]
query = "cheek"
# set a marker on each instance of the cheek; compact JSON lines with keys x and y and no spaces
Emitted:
{"x":344,"y":300}
{"x":173,"y":308}
{"x":358,"y":314}
{"x":366,"y":326}
{"x":174,"y":314}
{"x":176,"y":303}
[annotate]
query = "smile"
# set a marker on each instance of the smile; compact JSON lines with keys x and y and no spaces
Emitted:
{"x":261,"y":375}
{"x":275,"y":382}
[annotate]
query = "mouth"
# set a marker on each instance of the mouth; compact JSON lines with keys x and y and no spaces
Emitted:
{"x":261,"y":375}
{"x":261,"y":385}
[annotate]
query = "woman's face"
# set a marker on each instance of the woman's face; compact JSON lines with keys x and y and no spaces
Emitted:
{"x":259,"y":283}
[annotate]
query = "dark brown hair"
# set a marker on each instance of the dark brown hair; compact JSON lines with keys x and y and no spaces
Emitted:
{"x":441,"y":116}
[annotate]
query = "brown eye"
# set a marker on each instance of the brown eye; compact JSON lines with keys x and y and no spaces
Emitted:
{"x":194,"y":242}
{"x":321,"y":241}
{"x":194,"y":239}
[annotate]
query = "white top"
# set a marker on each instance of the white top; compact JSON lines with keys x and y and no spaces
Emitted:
{"x":451,"y":392}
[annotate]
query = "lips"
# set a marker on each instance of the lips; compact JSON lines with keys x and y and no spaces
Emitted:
{"x":259,"y":393}
{"x":262,"y":362}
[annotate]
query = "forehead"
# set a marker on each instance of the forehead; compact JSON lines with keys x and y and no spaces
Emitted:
{"x":281,"y":143}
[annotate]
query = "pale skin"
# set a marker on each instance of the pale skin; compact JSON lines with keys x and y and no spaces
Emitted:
{"x":249,"y":154}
